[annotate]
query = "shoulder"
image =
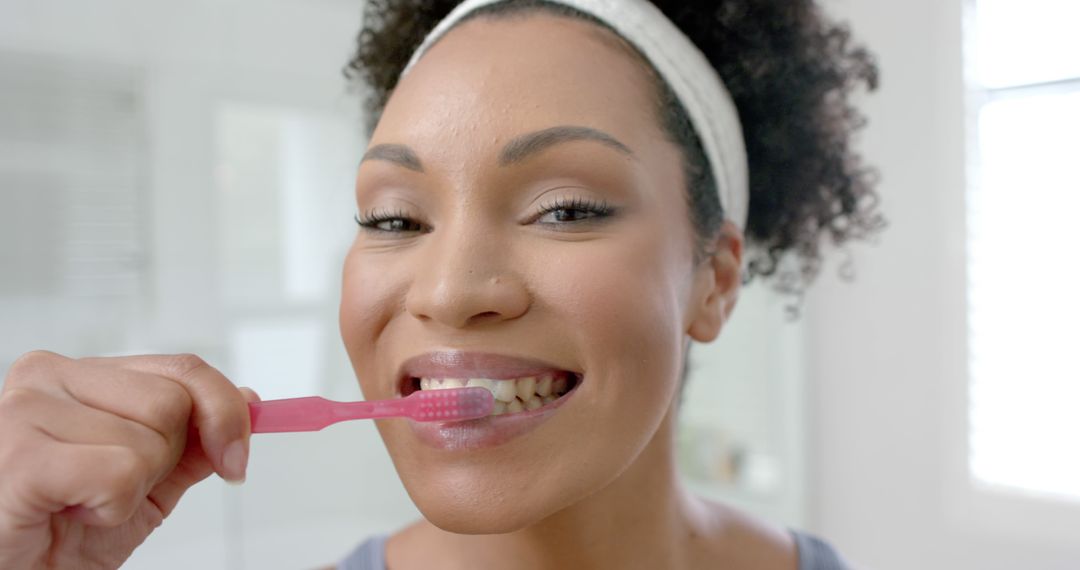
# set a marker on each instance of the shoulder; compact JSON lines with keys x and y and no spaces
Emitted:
{"x":741,"y":540}
{"x":737,"y":539}
{"x":370,"y":555}
{"x":816,"y":554}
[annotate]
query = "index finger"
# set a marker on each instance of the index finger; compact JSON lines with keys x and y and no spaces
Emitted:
{"x":219,"y":410}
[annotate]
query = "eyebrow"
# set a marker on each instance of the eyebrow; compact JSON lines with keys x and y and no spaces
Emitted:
{"x":397,"y":153}
{"x":517,"y":150}
{"x":530,"y":144}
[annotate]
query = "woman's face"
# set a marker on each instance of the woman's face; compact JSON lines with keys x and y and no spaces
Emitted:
{"x":529,"y":220}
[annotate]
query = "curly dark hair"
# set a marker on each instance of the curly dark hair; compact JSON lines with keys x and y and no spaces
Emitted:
{"x":790,"y":71}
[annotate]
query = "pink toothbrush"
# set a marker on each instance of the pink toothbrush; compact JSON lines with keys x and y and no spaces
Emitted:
{"x":314,"y":413}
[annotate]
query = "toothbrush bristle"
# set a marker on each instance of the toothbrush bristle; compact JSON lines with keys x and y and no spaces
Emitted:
{"x":453,"y":404}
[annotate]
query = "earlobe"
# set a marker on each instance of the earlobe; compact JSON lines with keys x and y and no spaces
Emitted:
{"x":717,"y":285}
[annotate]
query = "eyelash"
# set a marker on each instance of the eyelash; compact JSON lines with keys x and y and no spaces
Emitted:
{"x":371,"y":220}
{"x":596,"y":209}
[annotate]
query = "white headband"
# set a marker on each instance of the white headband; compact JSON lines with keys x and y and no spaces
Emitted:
{"x":685,"y":69}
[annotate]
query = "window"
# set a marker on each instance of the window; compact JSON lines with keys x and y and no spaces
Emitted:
{"x":1023,"y":271}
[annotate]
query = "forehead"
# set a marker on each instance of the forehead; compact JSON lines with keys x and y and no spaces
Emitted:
{"x":491,"y":79}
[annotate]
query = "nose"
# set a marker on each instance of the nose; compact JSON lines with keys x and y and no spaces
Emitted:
{"x":464,"y":279}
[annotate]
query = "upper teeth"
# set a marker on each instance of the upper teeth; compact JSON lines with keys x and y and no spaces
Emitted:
{"x":511,"y":396}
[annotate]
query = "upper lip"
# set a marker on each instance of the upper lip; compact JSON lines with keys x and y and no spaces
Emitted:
{"x":462,"y":364}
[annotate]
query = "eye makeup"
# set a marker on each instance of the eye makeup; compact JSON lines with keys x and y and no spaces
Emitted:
{"x":574,"y":210}
{"x":390,"y":221}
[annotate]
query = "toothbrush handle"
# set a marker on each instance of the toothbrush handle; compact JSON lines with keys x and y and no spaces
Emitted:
{"x":314,"y":413}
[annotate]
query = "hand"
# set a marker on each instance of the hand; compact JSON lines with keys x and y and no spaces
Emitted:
{"x":96,"y":452}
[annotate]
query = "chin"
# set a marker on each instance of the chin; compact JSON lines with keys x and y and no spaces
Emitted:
{"x":471,"y":512}
{"x":494,"y":492}
{"x":473,"y":522}
{"x":508,"y":487}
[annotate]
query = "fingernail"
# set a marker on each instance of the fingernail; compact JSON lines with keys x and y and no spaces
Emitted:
{"x":234,"y":461}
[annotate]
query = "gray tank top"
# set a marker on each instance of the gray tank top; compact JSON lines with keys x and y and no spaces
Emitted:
{"x":814,"y":554}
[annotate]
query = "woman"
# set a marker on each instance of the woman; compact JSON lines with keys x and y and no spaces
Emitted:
{"x":554,"y":203}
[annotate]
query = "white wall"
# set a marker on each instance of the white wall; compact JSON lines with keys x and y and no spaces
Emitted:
{"x":887,"y":352}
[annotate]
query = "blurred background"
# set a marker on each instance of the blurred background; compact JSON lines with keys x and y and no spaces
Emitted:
{"x":177,"y":177}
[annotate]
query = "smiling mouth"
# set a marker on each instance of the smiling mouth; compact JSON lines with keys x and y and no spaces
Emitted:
{"x":512,"y":395}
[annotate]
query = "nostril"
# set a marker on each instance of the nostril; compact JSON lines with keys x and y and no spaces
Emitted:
{"x":485,"y":316}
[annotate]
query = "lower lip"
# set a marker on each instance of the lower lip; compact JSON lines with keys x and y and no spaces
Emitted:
{"x":486,"y":432}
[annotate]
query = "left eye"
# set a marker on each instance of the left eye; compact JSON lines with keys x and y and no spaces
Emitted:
{"x":571,"y":211}
{"x":567,"y":215}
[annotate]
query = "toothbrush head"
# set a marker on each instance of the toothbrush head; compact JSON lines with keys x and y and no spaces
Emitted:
{"x":451,"y":405}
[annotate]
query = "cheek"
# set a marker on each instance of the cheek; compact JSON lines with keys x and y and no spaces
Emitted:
{"x":619,"y":298}
{"x":621,"y":304}
{"x":371,"y":296}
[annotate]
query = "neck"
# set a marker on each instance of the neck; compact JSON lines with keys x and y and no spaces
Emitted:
{"x":644,"y":519}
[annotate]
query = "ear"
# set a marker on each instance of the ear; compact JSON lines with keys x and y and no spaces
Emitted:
{"x":717,"y":280}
